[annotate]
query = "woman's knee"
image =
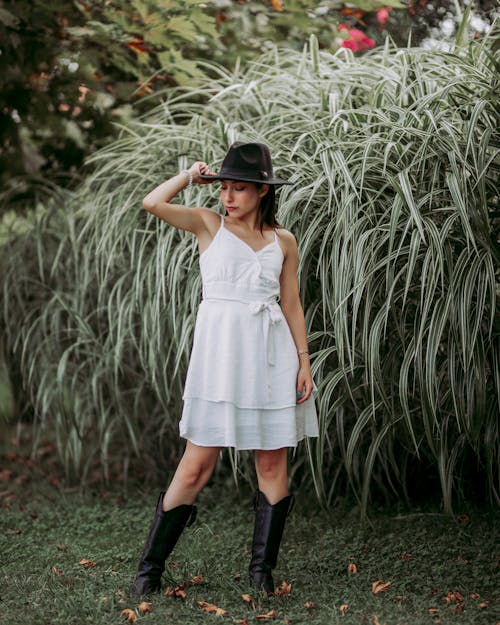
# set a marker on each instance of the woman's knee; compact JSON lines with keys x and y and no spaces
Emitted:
{"x":195,"y":469}
{"x":190,"y":475}
{"x":272,"y":464}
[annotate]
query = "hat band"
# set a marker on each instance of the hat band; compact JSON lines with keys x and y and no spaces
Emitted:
{"x":243,"y":174}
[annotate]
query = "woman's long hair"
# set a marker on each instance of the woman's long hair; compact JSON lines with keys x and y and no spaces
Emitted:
{"x":267,"y":208}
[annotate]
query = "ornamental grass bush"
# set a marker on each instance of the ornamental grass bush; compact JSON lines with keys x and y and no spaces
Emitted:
{"x":394,"y":159}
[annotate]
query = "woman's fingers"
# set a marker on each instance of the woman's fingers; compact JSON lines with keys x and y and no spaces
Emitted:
{"x":304,"y":389}
{"x":199,"y":168}
{"x":305,"y":395}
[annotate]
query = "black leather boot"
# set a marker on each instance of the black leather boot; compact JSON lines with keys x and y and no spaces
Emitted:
{"x":163,"y":535}
{"x":268,"y":530}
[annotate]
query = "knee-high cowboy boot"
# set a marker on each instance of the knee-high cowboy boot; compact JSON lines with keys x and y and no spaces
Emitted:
{"x":163,"y":535}
{"x":268,"y":530}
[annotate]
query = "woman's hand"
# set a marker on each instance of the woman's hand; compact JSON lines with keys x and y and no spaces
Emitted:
{"x":305,"y":384}
{"x":199,"y":168}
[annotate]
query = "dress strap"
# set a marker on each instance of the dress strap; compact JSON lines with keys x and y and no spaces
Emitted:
{"x":221,"y":222}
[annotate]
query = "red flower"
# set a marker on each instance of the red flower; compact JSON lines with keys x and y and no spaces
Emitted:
{"x":383,"y":15}
{"x":356,"y":40}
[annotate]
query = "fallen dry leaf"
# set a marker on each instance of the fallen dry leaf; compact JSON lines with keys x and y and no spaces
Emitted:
{"x":374,"y":620}
{"x":343,"y":608}
{"x":352,"y":568}
{"x":309,"y":605}
{"x":454,"y":597}
{"x":406,"y":556}
{"x":129,"y":614}
{"x":242,"y":622}
{"x":57,"y":571}
{"x":277,"y":5}
{"x":379,"y":586}
{"x":62,"y":547}
{"x":482,"y":605}
{"x":88,"y":564}
{"x":5,"y":475}
{"x":432,"y":610}
{"x":287,"y":621}
{"x":284,"y":589}
{"x":197,"y":579}
{"x":269,"y":615}
{"x":178,"y":591}
{"x":474,"y":595}
{"x":210,"y":607}
{"x":144,"y":607}
{"x":247,"y":599}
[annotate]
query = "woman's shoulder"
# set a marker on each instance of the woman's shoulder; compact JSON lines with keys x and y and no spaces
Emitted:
{"x":285,"y":235}
{"x":211,"y":219}
{"x":210,"y":214}
{"x":287,"y":241}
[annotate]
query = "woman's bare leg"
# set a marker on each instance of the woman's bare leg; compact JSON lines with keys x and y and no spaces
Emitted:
{"x":272,"y":473}
{"x":192,"y":473}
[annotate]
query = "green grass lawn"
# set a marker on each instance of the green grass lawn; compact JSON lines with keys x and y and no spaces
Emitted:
{"x":440,"y":569}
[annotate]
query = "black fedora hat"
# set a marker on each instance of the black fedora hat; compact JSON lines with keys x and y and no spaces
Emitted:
{"x":247,"y":162}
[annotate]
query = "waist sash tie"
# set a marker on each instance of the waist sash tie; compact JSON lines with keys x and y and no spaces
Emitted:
{"x":271,"y":315}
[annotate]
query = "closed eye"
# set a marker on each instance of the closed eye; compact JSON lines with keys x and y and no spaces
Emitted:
{"x":224,"y":187}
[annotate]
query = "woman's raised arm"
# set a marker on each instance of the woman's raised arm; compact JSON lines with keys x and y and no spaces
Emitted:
{"x":177,"y":215}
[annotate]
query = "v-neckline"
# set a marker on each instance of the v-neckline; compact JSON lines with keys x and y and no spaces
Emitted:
{"x":256,"y":252}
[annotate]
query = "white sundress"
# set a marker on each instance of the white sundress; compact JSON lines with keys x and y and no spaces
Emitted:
{"x":240,"y":388}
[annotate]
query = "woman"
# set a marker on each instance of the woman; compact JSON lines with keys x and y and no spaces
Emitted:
{"x":249,"y":382}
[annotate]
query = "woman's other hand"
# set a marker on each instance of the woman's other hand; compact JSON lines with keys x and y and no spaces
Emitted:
{"x":305,"y":384}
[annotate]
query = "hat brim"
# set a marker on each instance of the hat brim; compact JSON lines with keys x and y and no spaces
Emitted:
{"x":242,"y":179}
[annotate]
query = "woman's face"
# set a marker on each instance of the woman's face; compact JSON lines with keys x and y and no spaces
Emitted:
{"x":241,"y":198}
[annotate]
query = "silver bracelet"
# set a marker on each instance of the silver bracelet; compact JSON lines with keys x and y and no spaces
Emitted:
{"x":190,"y":174}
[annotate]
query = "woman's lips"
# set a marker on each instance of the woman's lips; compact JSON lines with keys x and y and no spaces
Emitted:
{"x":231,"y":208}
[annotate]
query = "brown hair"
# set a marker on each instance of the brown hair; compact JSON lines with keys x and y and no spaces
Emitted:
{"x":267,"y":208}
